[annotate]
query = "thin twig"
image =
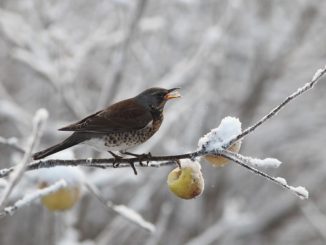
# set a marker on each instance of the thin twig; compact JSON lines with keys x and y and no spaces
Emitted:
{"x":18,"y":171}
{"x":229,"y":155}
{"x":122,"y":210}
{"x":273,"y":112}
{"x":26,"y":200}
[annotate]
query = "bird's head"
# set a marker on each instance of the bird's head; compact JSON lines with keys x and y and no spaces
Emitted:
{"x":155,"y":98}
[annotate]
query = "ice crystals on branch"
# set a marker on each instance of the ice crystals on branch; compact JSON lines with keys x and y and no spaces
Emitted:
{"x":217,"y":137}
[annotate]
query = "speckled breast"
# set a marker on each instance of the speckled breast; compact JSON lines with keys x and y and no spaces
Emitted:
{"x":120,"y":141}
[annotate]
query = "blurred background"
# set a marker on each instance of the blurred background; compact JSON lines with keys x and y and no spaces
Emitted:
{"x":238,"y":58}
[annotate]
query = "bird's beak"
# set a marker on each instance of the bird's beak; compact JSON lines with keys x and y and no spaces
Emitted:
{"x":172,"y":93}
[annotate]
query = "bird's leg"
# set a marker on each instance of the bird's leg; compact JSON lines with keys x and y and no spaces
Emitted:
{"x":116,"y":162}
{"x":132,"y":165}
{"x":117,"y":159}
{"x":140,"y":157}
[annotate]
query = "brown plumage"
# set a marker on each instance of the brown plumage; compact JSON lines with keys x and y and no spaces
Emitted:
{"x":120,"y":126}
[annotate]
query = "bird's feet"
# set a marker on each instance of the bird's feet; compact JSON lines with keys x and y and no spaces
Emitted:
{"x":117,"y":161}
{"x":141,"y":157}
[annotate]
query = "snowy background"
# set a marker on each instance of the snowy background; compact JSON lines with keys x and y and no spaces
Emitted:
{"x":238,"y":58}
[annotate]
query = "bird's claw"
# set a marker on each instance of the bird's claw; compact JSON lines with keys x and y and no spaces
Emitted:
{"x":141,"y":157}
{"x":132,"y":165}
{"x":116,"y":159}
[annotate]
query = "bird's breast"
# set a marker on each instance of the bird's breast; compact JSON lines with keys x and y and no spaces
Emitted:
{"x":123,"y":140}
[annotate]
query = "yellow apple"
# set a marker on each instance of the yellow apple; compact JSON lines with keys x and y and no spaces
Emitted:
{"x":62,"y":199}
{"x":219,"y":161}
{"x":187,"y":182}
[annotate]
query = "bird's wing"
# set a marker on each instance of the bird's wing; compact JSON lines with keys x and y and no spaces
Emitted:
{"x":124,"y":115}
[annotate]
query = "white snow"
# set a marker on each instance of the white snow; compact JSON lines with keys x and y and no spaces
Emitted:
{"x":281,"y":180}
{"x":190,"y":164}
{"x":72,"y":175}
{"x":27,"y":199}
{"x":41,"y":115}
{"x":300,"y":191}
{"x":196,"y":169}
{"x":267,"y":162}
{"x":318,"y":74}
{"x":228,"y":128}
{"x":134,"y":217}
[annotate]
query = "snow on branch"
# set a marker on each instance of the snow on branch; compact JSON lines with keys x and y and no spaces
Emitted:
{"x":299,"y":191}
{"x":38,"y":124}
{"x":230,"y":135}
{"x":26,"y":200}
{"x":122,"y":210}
{"x":256,"y":162}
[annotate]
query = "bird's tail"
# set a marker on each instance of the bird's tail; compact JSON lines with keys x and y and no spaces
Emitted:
{"x":72,"y":140}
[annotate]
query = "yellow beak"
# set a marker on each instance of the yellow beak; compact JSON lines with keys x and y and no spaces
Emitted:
{"x":172,"y":94}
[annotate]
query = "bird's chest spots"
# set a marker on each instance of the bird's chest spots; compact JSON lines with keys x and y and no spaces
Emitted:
{"x":133,"y":137}
{"x":119,"y":141}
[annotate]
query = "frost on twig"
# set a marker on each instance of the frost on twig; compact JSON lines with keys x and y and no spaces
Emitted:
{"x":122,"y":210}
{"x":26,"y":200}
{"x":38,"y":124}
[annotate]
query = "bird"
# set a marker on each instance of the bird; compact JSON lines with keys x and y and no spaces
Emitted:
{"x":119,"y":127}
